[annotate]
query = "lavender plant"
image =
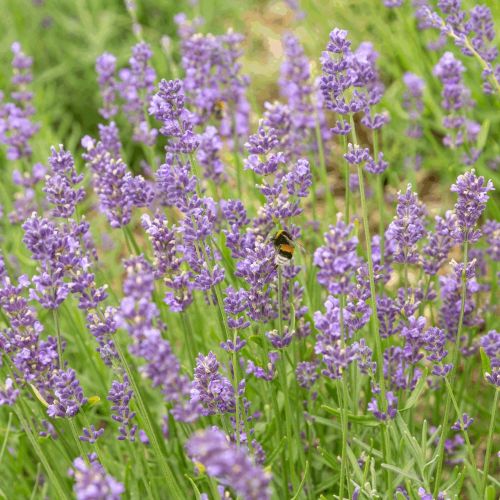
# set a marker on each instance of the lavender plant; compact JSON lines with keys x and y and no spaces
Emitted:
{"x":212,"y":299}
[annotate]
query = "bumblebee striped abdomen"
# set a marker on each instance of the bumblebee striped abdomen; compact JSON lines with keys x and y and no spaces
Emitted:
{"x":283,"y":243}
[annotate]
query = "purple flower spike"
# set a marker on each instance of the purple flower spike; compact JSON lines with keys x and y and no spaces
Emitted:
{"x":16,"y":127}
{"x":91,"y":435}
{"x":491,"y":345}
{"x":356,"y":155}
{"x":8,"y":394}
{"x":456,"y":101}
{"x":136,"y":87}
{"x":413,"y":103}
{"x":337,"y":259}
{"x":408,"y":227}
{"x":105,"y":67}
{"x":307,"y":374}
{"x":119,"y":192}
{"x":441,"y":241}
{"x":463,"y":423}
{"x":280,"y":341}
{"x":210,"y":388}
{"x":92,"y":482}
{"x":491,"y":230}
{"x":235,"y":305}
{"x":60,"y":184}
{"x":392,"y":404}
{"x":68,"y":395}
{"x":295,"y":85}
{"x":120,"y":395}
{"x":230,"y":346}
{"x":472,"y":192}
{"x":229,"y":464}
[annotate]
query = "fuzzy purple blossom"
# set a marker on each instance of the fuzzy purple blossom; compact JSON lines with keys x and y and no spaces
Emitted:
{"x":136,"y":85}
{"x":491,"y":346}
{"x":92,"y":482}
{"x":357,"y":311}
{"x":236,"y":346}
{"x":163,"y":241}
{"x":295,"y":86}
{"x":8,"y":393}
{"x":280,"y":341}
{"x":213,"y":390}
{"x":336,"y":79}
{"x":208,"y":155}
{"x":413,"y":335}
{"x":91,"y":434}
{"x":337,"y":260}
{"x":60,"y":184}
{"x":456,"y":101}
{"x":424,"y":495}
{"x":391,"y":4}
{"x":472,"y":192}
{"x":392,"y":407}
{"x":377,"y":167}
{"x":440,"y":241}
{"x":120,"y":394}
{"x":213,"y":79}
{"x":491,"y":230}
{"x":168,"y":107}
{"x":68,"y":395}
{"x":463,"y":423}
{"x":306,"y":373}
{"x":105,"y":68}
{"x":266,"y":373}
{"x":451,"y":292}
{"x":434,"y":341}
{"x":235,"y":305}
{"x":413,"y":103}
{"x":16,"y":127}
{"x":408,"y":227}
{"x":118,"y":191}
{"x":229,"y":464}
{"x":357,"y":155}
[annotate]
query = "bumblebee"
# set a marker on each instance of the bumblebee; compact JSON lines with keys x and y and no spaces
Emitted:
{"x":285,"y":247}
{"x":219,"y":109}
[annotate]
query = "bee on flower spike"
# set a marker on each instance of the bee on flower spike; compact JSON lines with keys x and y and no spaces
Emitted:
{"x":284,"y":246}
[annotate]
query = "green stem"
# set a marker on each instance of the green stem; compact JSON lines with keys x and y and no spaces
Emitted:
{"x":6,"y":438}
{"x":284,"y":385}
{"x":380,"y":198}
{"x":374,"y":326}
{"x":54,"y":480}
{"x":343,"y":410}
{"x":347,"y":193}
{"x":59,"y":339}
{"x":169,"y":476}
{"x":61,"y":367}
{"x":489,"y":443}
{"x":470,"y":449}
{"x":236,"y":157}
{"x":236,"y":392}
{"x":373,"y":303}
{"x":330,"y":202}
{"x":451,"y":375}
{"x":188,"y":338}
